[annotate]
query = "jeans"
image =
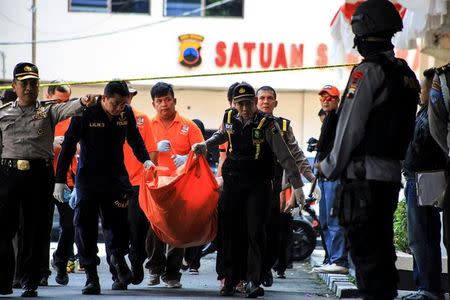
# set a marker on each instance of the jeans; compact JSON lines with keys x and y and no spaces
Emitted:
{"x":424,"y":235}
{"x":334,"y":234}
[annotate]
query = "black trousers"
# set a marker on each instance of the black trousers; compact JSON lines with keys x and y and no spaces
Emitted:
{"x":372,"y":244}
{"x":245,"y":208}
{"x":24,"y":198}
{"x":273,"y":234}
{"x":92,"y":204}
{"x":137,"y":233}
{"x":192,"y":256}
{"x":284,"y":242}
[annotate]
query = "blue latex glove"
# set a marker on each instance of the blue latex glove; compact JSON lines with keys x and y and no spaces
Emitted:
{"x":178,"y":160}
{"x":164,"y":146}
{"x":73,"y":201}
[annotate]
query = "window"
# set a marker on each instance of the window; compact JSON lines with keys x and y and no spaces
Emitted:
{"x":107,"y":6}
{"x":233,"y":8}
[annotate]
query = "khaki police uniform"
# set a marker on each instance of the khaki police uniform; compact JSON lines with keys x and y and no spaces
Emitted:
{"x":27,"y":181}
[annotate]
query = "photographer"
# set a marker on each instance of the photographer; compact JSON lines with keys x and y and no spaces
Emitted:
{"x":337,"y":260}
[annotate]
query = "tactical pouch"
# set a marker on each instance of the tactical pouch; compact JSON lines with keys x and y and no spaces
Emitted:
{"x":352,"y":203}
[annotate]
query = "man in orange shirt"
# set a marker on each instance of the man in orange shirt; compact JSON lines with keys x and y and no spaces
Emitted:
{"x":174,"y":135}
{"x":136,"y":218}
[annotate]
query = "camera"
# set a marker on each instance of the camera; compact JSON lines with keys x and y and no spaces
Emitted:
{"x":312,"y":144}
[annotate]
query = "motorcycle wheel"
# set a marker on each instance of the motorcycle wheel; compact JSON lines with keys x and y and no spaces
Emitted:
{"x":303,"y":241}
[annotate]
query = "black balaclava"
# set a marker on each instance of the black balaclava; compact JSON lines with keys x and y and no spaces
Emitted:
{"x":370,"y":45}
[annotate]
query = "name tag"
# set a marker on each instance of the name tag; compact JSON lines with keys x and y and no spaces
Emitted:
{"x":96,"y":124}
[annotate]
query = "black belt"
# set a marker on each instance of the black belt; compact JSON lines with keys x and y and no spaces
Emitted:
{"x":25,"y":164}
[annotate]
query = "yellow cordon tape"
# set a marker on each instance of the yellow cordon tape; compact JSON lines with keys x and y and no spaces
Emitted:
{"x":7,"y":87}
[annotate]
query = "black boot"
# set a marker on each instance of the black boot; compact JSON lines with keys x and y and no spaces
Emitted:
{"x":137,"y":274}
{"x":123,"y":271}
{"x":252,"y":290}
{"x":29,"y":292}
{"x":61,"y":273}
{"x":92,"y":286}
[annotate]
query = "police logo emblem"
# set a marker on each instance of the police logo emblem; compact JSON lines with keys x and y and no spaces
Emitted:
{"x":241,"y":90}
{"x":122,"y":120}
{"x":257,"y":136}
{"x":190,"y":50}
{"x":27,"y":68}
{"x":229,"y":128}
{"x":40,"y":114}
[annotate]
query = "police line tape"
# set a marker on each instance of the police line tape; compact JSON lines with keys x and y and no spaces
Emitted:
{"x":8,"y":87}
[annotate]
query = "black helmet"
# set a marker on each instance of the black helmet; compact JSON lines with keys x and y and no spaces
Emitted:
{"x":376,"y":16}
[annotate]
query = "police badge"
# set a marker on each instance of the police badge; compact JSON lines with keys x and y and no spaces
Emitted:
{"x":257,"y":136}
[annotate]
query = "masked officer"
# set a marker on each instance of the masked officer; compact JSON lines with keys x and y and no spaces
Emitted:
{"x":102,"y":184}
{"x":253,"y":140}
{"x":376,"y":123}
{"x":26,"y":174}
{"x":279,"y":223}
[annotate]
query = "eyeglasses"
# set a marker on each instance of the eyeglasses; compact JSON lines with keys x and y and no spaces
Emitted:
{"x":326,"y":98}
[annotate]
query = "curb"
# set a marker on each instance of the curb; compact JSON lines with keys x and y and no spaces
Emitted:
{"x":340,"y":284}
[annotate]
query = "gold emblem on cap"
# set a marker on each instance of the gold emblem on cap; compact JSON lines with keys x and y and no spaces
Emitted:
{"x":27,"y":68}
{"x":241,"y":90}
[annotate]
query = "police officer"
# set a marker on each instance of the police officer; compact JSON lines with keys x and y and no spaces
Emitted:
{"x":276,"y":233}
{"x":253,"y":140}
{"x":375,"y":125}
{"x":102,"y":184}
{"x":26,"y":174}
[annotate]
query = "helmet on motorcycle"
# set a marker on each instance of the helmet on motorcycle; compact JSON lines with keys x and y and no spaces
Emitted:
{"x":375,"y":17}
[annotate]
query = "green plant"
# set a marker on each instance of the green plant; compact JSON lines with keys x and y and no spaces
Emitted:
{"x":401,"y":228}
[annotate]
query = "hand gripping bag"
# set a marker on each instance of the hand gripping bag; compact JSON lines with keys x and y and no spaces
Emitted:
{"x":182,"y":208}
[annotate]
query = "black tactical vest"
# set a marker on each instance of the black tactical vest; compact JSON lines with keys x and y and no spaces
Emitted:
{"x":248,"y":153}
{"x":390,"y":126}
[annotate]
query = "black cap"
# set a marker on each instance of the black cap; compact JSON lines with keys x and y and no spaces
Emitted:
{"x":243,"y":92}
{"x":131,"y":89}
{"x":25,"y":70}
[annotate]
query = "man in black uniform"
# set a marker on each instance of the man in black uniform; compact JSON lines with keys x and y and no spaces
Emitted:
{"x":376,"y":123}
{"x":102,"y":182}
{"x":26,"y":174}
{"x":253,"y":139}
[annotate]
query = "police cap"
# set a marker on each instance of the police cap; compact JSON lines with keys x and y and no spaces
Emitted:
{"x":25,"y":70}
{"x":243,"y":92}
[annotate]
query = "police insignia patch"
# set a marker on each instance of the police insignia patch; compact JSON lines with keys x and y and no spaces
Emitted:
{"x":190,"y":50}
{"x":140,"y":121}
{"x":229,"y":128}
{"x":40,"y":114}
{"x":257,"y":136}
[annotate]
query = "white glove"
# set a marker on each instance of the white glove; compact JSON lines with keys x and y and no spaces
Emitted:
{"x":199,"y":148}
{"x":178,"y":160}
{"x":299,"y":197}
{"x":148,"y":164}
{"x":58,"y":140}
{"x":58,"y":192}
{"x":73,"y":199}
{"x":164,"y":146}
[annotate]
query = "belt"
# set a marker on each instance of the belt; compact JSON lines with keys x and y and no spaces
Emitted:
{"x":25,"y":164}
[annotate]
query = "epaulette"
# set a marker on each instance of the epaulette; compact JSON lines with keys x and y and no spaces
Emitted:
{"x":234,"y":110}
{"x":229,"y":114}
{"x":283,"y":123}
{"x":443,"y":69}
{"x":5,"y":105}
{"x":47,"y":102}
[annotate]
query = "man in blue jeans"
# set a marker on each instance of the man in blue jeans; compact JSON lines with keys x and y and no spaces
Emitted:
{"x":334,"y":235}
{"x":424,"y":223}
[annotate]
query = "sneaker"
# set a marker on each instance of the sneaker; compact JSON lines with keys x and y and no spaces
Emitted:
{"x":193,"y":271}
{"x":424,"y":295}
{"x":253,"y":290}
{"x":281,"y":275}
{"x":332,"y":269}
{"x":71,"y":266}
{"x":173,"y":284}
{"x":268,"y":279}
{"x":29,"y":293}
{"x":154,"y":279}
